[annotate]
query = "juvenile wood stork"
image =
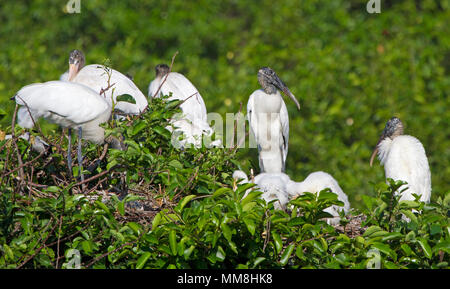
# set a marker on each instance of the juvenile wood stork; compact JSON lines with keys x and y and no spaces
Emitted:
{"x":269,"y":121}
{"x":193,"y":123}
{"x":95,"y":77}
{"x":404,"y":158}
{"x":273,"y":186}
{"x":316,"y":182}
{"x":68,"y":104}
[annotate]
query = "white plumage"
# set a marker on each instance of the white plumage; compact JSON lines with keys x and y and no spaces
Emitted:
{"x":404,"y":159}
{"x":67,"y":104}
{"x":273,"y":186}
{"x":316,"y":182}
{"x":181,"y":88}
{"x":269,"y":121}
{"x":193,"y":122}
{"x":94,"y":76}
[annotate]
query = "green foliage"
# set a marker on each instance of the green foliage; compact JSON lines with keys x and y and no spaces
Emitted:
{"x":351,"y":70}
{"x":207,"y":221}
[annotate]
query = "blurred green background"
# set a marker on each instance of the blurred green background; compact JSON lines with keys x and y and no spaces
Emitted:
{"x":351,"y":70}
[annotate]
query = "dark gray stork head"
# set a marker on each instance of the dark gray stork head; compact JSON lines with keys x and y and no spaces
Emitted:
{"x":76,"y":62}
{"x":161,"y":70}
{"x":393,"y":128}
{"x":270,"y":82}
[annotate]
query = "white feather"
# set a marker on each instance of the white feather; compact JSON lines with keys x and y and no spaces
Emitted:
{"x":95,"y":77}
{"x":193,"y":122}
{"x":67,"y":104}
{"x":269,"y":123}
{"x":316,"y":182}
{"x":404,"y":159}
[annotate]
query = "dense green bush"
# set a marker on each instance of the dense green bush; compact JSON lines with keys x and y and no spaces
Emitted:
{"x":351,"y":70}
{"x":198,"y":216}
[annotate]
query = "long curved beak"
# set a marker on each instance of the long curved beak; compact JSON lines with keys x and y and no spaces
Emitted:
{"x":289,"y":93}
{"x":280,"y":84}
{"x":375,"y":150}
{"x":73,"y":70}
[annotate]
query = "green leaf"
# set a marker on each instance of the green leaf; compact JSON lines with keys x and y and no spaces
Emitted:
{"x":135,"y":227}
{"x":187,"y":252}
{"x":250,"y":225}
{"x":156,"y":221}
{"x":126,"y":98}
{"x":410,"y":215}
{"x":183,"y":203}
{"x":425,"y":247}
{"x":137,"y":128}
{"x":142,"y":260}
{"x":371,"y":230}
{"x":220,"y":254}
{"x":173,"y":242}
{"x":278,"y":242}
{"x":286,"y":254}
{"x":121,"y":208}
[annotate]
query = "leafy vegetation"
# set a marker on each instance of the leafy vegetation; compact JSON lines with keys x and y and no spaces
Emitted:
{"x":156,"y":206}
{"x":196,"y":215}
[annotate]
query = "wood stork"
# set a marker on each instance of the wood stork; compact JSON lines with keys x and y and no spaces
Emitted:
{"x":68,"y":104}
{"x":404,"y":158}
{"x":316,"y":182}
{"x":269,"y":121}
{"x":193,"y":123}
{"x":95,"y":77}
{"x":273,"y":186}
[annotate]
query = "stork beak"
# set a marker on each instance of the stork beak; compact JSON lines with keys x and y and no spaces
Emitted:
{"x":375,"y":151}
{"x":73,"y":70}
{"x":280,"y":84}
{"x":289,"y":93}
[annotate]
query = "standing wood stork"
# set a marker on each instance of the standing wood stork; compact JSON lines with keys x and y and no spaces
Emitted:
{"x":273,"y":186}
{"x":68,"y":104}
{"x":316,"y":182}
{"x":193,"y":123}
{"x":95,"y":77}
{"x":269,"y":121}
{"x":404,"y":158}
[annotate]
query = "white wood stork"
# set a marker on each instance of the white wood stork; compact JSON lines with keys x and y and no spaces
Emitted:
{"x":193,"y":123}
{"x":273,"y":186}
{"x":269,"y":121}
{"x":404,"y":158}
{"x":68,"y":104}
{"x":95,"y":77}
{"x":316,"y":182}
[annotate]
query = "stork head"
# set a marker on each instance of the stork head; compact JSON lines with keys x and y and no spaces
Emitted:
{"x":270,"y":82}
{"x":393,"y":128}
{"x":76,"y":62}
{"x":161,"y":70}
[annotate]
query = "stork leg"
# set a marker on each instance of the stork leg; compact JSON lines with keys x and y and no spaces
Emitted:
{"x":69,"y":150}
{"x":80,"y":157}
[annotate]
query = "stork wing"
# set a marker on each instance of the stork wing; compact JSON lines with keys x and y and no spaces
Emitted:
{"x":95,"y":77}
{"x":74,"y":102}
{"x":284,"y":118}
{"x":181,"y":88}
